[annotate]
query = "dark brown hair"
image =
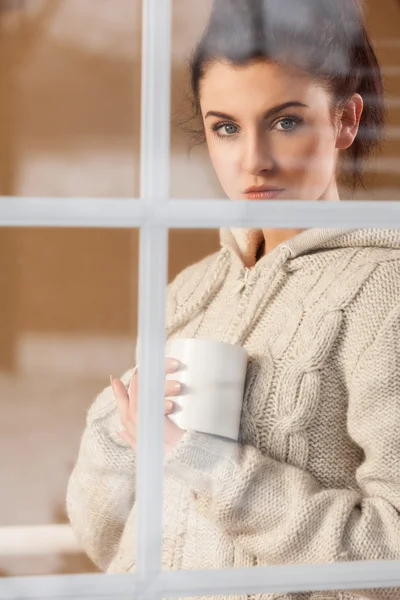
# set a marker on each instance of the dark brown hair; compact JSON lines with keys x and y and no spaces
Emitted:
{"x":325,"y":39}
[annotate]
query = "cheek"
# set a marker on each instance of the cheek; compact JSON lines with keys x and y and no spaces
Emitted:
{"x":225,"y":160}
{"x":310,"y":153}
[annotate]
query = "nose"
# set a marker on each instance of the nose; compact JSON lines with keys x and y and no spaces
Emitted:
{"x":257,"y":154}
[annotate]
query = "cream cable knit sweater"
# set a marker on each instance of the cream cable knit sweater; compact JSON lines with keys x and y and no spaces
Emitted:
{"x":316,"y":476}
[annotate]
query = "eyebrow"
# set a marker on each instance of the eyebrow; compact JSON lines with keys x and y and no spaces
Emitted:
{"x":270,"y":113}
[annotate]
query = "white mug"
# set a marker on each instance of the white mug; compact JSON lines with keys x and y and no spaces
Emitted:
{"x":213,"y":376}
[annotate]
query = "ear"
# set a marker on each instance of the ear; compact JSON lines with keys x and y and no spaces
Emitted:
{"x":349,"y":122}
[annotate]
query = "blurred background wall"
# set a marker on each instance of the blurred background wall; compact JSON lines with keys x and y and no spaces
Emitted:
{"x":69,"y":126}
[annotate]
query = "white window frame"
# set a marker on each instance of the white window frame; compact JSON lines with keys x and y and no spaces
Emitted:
{"x":154,"y":213}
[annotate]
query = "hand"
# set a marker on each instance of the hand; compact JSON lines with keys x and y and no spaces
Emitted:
{"x":127,"y":406}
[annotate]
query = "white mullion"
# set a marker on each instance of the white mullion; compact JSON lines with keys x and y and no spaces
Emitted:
{"x":222,"y":582}
{"x":195,"y":214}
{"x":25,"y":211}
{"x":154,"y":182}
{"x":149,"y":476}
{"x":280,"y":579}
{"x":199,"y":214}
{"x":155,"y":105}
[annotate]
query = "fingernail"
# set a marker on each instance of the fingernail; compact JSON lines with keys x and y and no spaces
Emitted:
{"x":170,"y":405}
{"x":174,"y":363}
{"x":177,"y":387}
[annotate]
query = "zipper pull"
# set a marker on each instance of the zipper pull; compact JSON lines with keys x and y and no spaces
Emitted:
{"x":242,"y":284}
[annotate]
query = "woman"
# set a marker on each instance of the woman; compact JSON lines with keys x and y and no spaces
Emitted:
{"x":290,"y":97}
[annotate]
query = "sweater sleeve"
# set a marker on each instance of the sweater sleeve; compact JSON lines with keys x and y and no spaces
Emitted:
{"x":280,"y":513}
{"x":101,"y":489}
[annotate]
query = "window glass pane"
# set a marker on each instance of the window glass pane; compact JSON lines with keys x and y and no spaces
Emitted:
{"x":68,"y":321}
{"x":303,"y":481}
{"x":70,"y":100}
{"x":189,"y":157}
{"x":315,"y":424}
{"x":101,"y":499}
{"x":317,"y":316}
{"x":191,"y":173}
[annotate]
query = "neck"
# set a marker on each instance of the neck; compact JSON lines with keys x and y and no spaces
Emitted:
{"x":274,"y":237}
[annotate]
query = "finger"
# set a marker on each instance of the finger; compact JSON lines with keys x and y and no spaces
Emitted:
{"x":127,"y":438}
{"x":171,"y":365}
{"x":172,"y":435}
{"x":172,"y":388}
{"x":133,"y":388}
{"x":121,"y":397}
{"x":169,"y":407}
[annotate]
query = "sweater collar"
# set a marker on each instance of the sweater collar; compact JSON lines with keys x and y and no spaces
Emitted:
{"x":243,"y":244}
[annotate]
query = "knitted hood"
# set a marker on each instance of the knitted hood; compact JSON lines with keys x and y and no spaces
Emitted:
{"x":243,"y":243}
{"x":237,"y":244}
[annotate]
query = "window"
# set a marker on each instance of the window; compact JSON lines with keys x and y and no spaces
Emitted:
{"x":155,"y":213}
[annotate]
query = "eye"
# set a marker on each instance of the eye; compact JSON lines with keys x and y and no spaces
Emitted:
{"x":288,"y":124}
{"x":225,"y":129}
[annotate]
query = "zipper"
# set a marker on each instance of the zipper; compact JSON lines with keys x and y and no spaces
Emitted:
{"x":242,"y":284}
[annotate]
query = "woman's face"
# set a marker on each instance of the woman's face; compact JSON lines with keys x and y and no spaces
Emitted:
{"x":269,"y":132}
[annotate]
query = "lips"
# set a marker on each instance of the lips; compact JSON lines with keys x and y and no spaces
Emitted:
{"x":262,"y":192}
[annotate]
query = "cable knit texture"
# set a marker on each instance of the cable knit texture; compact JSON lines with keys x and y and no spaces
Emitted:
{"x":315,"y":477}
